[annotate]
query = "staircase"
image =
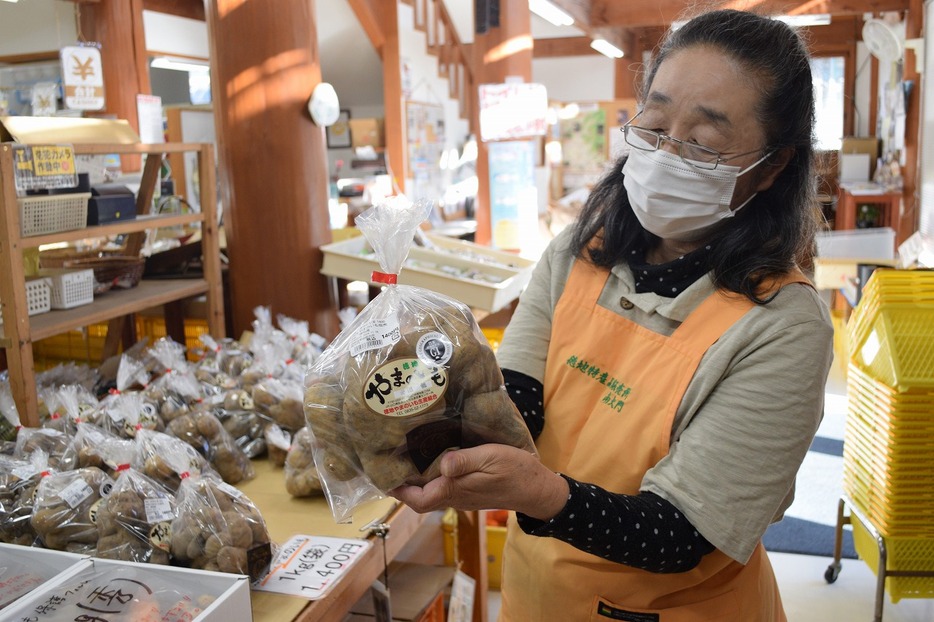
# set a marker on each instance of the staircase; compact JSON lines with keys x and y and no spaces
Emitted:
{"x":432,"y":18}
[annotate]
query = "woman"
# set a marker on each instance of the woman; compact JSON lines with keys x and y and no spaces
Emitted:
{"x":668,"y":355}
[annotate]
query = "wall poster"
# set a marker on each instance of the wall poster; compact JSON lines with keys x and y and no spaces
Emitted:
{"x":425,"y":139}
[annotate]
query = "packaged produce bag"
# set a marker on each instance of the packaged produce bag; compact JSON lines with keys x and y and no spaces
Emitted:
{"x":301,"y":475}
{"x":65,"y":510}
{"x":411,"y":377}
{"x":135,"y":521}
{"x":218,"y":528}
{"x":167,"y":459}
{"x":19,"y":480}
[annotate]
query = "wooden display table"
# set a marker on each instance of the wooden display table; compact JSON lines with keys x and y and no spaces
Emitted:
{"x":287,"y":516}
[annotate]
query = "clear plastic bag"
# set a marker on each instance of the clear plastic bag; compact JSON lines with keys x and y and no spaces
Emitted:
{"x":301,"y":475}
{"x":278,"y":442}
{"x":96,"y":447}
{"x":219,"y":528}
{"x":19,"y":480}
{"x":135,"y":520}
{"x":54,"y":444}
{"x":65,"y":508}
{"x":167,"y":459}
{"x":411,"y":377}
{"x":203,"y":431}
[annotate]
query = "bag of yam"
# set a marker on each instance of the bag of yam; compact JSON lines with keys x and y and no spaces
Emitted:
{"x":218,"y":528}
{"x":411,"y":377}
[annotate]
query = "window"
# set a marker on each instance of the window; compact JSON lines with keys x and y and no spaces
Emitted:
{"x":827,"y":73}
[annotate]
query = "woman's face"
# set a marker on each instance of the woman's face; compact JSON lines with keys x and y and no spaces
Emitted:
{"x":700,"y":95}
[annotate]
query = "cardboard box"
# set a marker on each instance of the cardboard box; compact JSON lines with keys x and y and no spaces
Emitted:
{"x":416,"y":593}
{"x":25,"y":569}
{"x":495,"y":543}
{"x":220,"y":597}
{"x":367,"y":132}
{"x":64,"y":130}
{"x":501,"y":276}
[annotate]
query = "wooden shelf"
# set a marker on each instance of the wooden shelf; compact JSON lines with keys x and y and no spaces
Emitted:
{"x":140,"y":223}
{"x":114,"y":303}
{"x":20,"y":330}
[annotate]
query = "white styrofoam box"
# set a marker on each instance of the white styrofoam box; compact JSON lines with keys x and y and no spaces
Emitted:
{"x":24,"y":569}
{"x":126,"y":591}
{"x":70,"y":288}
{"x":858,"y":244}
{"x":478,"y":276}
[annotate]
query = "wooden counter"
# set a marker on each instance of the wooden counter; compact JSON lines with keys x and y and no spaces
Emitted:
{"x":287,"y":516}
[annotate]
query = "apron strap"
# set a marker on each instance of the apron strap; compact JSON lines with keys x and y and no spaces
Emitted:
{"x":720,"y":310}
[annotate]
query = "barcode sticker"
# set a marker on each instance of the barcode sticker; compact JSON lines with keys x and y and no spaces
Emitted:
{"x":375,"y":334}
{"x":158,"y":510}
{"x":76,"y":492}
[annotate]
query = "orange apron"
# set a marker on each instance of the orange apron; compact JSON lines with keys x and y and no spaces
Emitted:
{"x":612,"y":389}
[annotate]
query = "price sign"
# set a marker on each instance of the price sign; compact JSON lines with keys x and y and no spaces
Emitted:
{"x":83,"y":77}
{"x":309,"y":566}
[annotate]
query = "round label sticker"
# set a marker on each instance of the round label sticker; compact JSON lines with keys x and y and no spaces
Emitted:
{"x":160,"y":536}
{"x":92,"y":512}
{"x":404,"y":386}
{"x":434,"y":348}
{"x":105,"y":488}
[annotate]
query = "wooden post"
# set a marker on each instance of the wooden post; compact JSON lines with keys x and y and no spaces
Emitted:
{"x":273,"y":163}
{"x":118,"y":26}
{"x":504,"y":50}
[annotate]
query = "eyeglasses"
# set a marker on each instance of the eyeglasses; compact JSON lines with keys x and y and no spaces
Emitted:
{"x":695,"y":155}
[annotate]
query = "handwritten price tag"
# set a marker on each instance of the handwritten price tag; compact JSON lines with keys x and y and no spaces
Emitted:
{"x":309,"y":566}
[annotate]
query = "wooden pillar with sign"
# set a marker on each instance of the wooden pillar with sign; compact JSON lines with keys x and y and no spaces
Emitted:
{"x":117,"y":25}
{"x":502,"y":49}
{"x":274,"y":173}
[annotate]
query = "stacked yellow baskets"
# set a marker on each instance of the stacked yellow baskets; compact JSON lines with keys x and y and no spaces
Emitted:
{"x":888,"y":450}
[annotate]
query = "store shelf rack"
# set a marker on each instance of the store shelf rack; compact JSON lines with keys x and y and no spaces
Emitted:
{"x":20,"y":330}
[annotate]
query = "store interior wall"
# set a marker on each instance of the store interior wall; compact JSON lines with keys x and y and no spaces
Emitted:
{"x":347,"y":59}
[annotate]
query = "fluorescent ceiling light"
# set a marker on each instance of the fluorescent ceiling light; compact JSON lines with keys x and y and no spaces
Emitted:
{"x":606,"y":48}
{"x":11,"y":0}
{"x":798,"y":21}
{"x":178,"y":65}
{"x":549,"y":12}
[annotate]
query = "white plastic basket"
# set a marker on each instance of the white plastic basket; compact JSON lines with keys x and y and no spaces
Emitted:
{"x":70,"y":288}
{"x":53,"y":213}
{"x":38,"y":296}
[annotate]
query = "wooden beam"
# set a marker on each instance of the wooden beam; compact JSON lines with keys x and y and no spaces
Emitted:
{"x":634,"y":13}
{"x":192,"y":9}
{"x":369,"y":20}
{"x":33,"y":57}
{"x":562,"y":46}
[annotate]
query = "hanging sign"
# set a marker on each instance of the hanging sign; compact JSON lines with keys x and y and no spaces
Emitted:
{"x":512,"y":110}
{"x":309,"y":566}
{"x":82,"y":77}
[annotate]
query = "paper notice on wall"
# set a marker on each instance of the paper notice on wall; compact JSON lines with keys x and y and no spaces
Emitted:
{"x":513,"y":110}
{"x":310,"y":566}
{"x":149,"y":113}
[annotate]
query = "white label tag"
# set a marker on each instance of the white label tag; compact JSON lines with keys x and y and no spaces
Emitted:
{"x":375,"y":335}
{"x":76,"y":492}
{"x":460,"y":608}
{"x":158,"y":510}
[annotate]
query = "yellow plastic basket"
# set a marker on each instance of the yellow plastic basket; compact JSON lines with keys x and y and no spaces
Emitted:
{"x":904,"y":554}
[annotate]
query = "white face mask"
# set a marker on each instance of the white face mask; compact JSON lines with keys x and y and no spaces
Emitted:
{"x":676,"y":201}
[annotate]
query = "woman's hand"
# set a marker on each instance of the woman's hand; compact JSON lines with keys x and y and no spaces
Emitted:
{"x":490,"y":477}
